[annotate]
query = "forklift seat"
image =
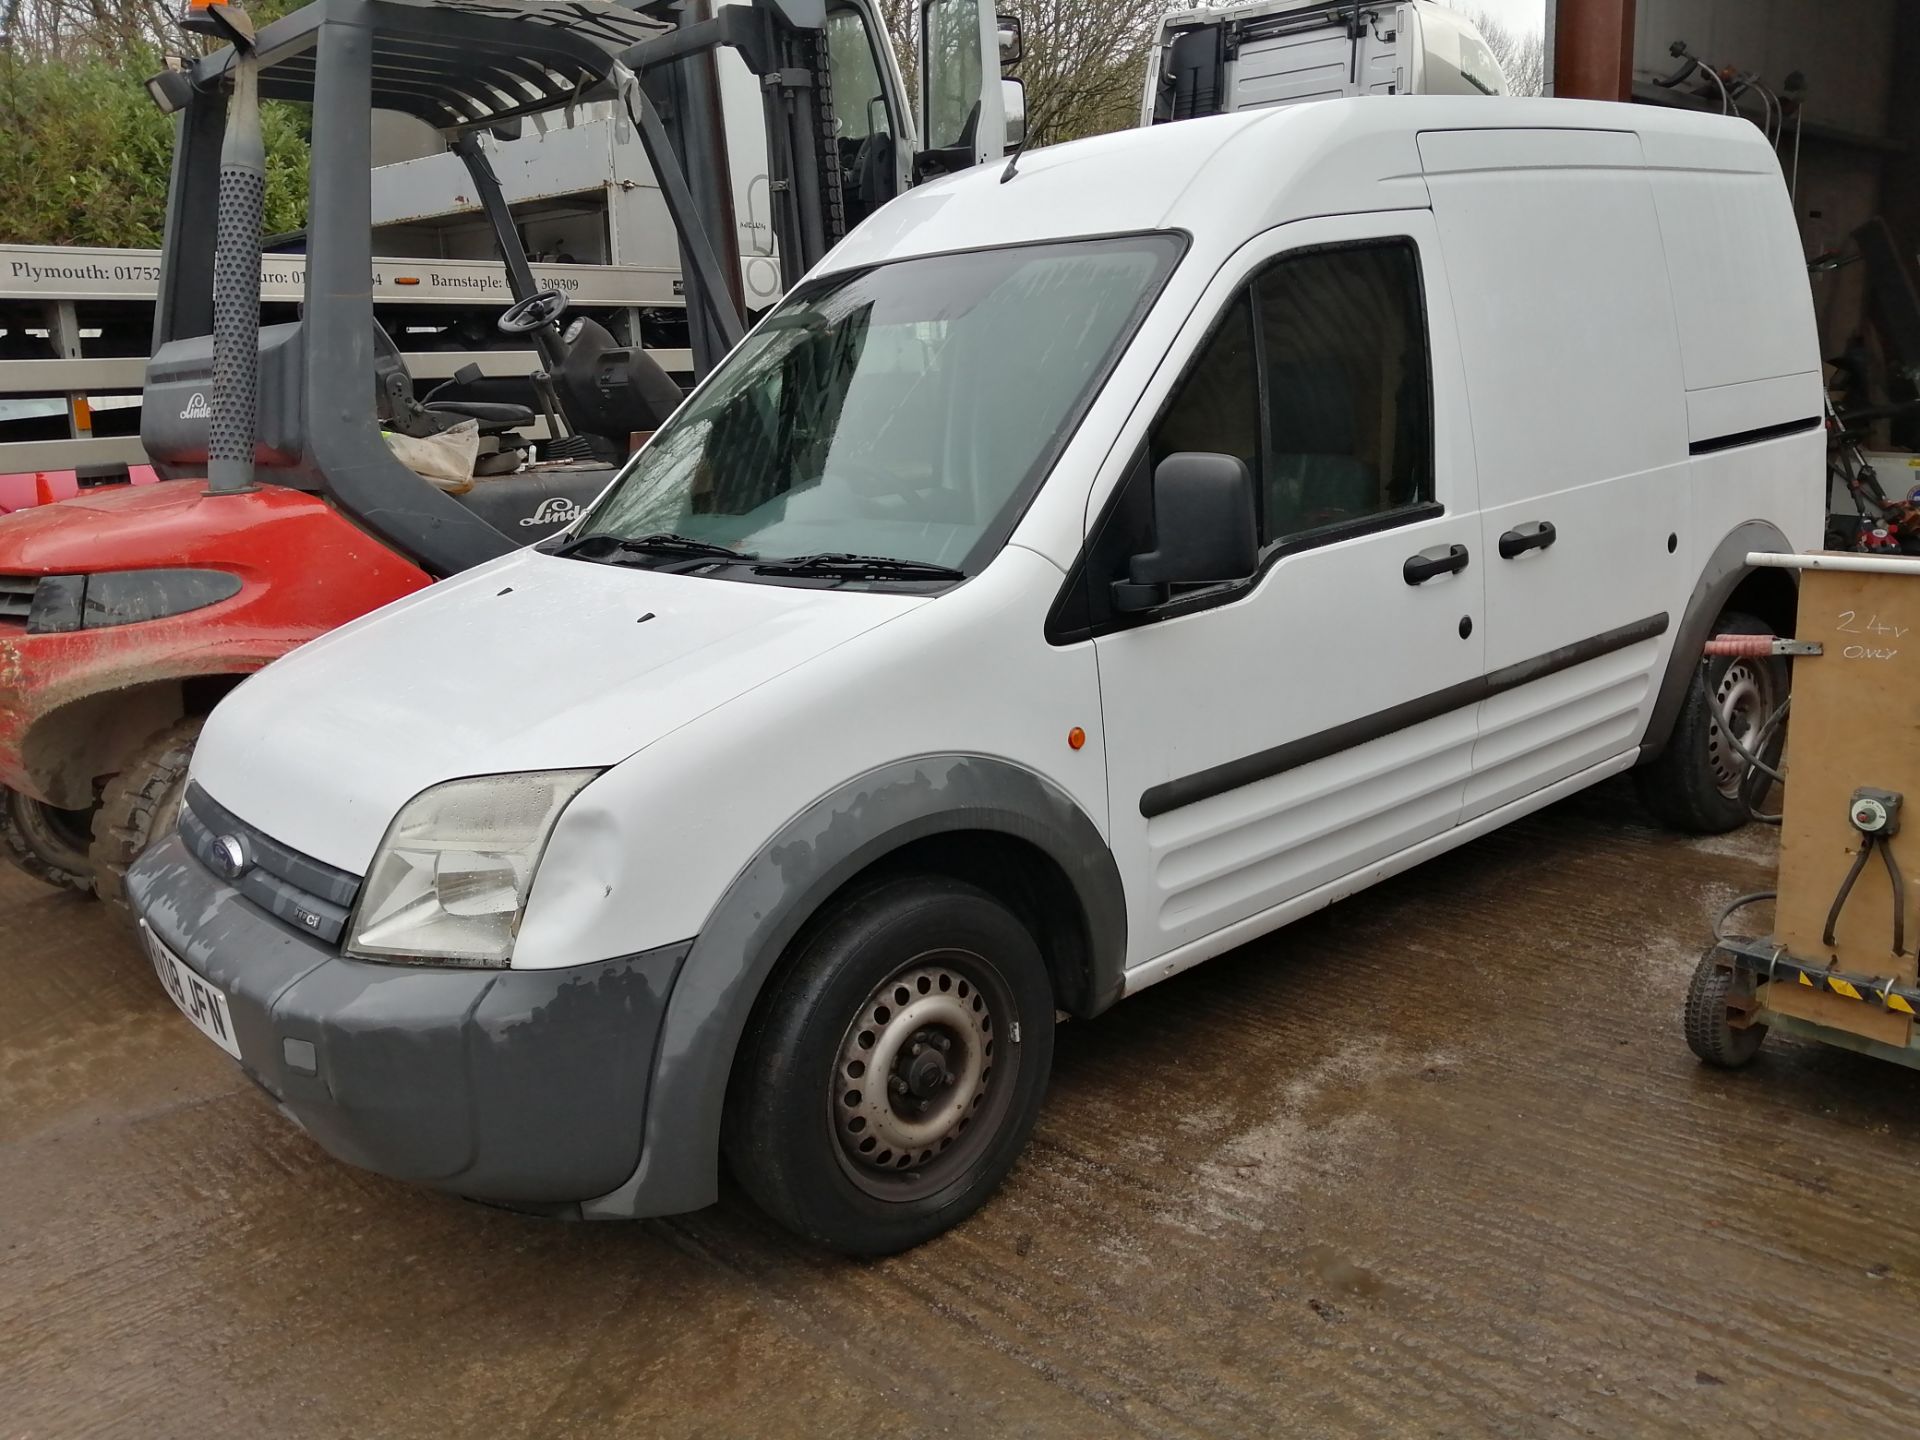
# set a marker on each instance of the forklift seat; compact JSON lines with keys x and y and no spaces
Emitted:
{"x":490,"y":415}
{"x":534,"y":504}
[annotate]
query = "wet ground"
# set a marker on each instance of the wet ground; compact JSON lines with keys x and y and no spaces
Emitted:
{"x":1434,"y":1163}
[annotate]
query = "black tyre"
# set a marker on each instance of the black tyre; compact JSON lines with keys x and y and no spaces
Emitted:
{"x":1709,"y":1033}
{"x":891,"y":1076}
{"x":48,"y":843}
{"x":139,"y":805}
{"x":1694,"y":785}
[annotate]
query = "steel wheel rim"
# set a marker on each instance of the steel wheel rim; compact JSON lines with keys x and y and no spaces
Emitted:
{"x":901,"y":1131}
{"x":1742,"y":701}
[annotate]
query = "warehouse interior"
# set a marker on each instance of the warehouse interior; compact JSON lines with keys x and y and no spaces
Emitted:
{"x":1837,"y":82}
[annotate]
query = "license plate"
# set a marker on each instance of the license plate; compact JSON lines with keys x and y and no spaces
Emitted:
{"x":199,"y":1001}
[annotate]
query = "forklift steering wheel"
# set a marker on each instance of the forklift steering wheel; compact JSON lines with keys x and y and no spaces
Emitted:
{"x":533,"y":313}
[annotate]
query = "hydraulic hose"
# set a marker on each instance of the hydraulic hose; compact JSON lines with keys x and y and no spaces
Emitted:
{"x":236,"y":285}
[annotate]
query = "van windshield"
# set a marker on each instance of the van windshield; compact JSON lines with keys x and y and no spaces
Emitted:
{"x":906,"y":411}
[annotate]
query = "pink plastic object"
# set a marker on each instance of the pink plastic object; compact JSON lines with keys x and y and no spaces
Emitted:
{"x":1744,"y":647}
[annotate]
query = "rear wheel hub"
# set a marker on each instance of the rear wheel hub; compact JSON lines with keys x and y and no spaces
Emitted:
{"x":1742,"y":701}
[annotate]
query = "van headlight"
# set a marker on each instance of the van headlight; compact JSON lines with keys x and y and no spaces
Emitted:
{"x":450,"y":880}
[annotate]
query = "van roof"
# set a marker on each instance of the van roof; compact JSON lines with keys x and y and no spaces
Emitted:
{"x":1226,"y":178}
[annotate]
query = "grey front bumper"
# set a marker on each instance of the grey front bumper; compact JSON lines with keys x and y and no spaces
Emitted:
{"x":523,"y":1087}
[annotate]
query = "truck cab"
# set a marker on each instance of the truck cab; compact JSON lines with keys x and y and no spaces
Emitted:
{"x":1220,"y":58}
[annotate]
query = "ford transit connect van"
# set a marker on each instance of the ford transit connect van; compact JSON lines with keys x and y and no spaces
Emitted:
{"x":1096,"y":563}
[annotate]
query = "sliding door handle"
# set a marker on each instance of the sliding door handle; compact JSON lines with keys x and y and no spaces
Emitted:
{"x":1536,"y":535}
{"x":1441,"y":560}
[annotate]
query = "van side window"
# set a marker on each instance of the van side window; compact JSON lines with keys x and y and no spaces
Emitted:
{"x":1217,"y":407}
{"x":1344,"y":361}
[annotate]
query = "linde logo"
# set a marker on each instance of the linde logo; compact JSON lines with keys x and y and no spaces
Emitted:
{"x":196,"y":408}
{"x":555,"y":511}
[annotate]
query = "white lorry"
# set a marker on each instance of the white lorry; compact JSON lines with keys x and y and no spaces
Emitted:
{"x":1214,"y":59}
{"x":1083,"y":572}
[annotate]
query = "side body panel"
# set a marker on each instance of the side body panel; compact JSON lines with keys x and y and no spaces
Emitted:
{"x":1579,"y":419}
{"x":1329,"y":640}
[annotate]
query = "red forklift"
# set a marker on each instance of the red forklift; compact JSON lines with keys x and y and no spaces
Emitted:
{"x":284,"y":510}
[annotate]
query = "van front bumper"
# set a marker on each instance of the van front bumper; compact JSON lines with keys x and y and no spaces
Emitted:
{"x":520,"y":1087}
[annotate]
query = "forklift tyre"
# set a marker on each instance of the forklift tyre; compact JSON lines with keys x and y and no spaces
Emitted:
{"x":1693,"y":785}
{"x":140,"y":804}
{"x":1709,"y":1035}
{"x":49,"y":844}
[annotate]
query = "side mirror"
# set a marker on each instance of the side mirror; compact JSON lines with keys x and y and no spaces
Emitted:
{"x":1013,"y":43}
{"x":1013,"y":98}
{"x":1203,"y":521}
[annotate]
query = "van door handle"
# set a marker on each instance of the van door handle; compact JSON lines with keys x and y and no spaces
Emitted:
{"x":1441,"y":560}
{"x":1537,"y":535}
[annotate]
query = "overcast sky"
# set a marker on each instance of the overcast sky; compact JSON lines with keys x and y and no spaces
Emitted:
{"x":1516,"y":14}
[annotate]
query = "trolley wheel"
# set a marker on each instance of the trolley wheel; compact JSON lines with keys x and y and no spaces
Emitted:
{"x":1709,"y":1035}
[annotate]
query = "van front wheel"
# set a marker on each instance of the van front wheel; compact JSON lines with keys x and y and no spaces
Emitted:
{"x":891,"y":1077}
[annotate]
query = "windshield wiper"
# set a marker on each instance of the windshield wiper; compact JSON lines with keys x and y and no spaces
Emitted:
{"x":660,"y":544}
{"x":838,"y":565}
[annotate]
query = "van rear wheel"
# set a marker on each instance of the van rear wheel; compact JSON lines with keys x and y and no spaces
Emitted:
{"x":1694,"y":786}
{"x":47,"y":842}
{"x":891,"y":1077}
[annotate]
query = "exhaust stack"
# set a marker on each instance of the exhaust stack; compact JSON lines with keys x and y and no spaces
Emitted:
{"x":236,"y":264}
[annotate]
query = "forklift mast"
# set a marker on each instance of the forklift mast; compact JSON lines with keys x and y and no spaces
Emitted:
{"x":293,"y":403}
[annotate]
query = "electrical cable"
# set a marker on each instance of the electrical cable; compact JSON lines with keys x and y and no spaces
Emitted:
{"x":1714,"y":75}
{"x":1754,"y":762}
{"x":1799,"y":115}
{"x":1899,"y":897}
{"x":1747,"y":792}
{"x":1740,"y":903}
{"x":1846,"y":888}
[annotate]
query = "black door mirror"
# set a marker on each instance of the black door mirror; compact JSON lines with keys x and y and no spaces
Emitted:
{"x":1013,"y":43}
{"x":1203,"y":525}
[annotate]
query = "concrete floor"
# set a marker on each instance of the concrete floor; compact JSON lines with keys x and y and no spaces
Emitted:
{"x":1434,"y":1163}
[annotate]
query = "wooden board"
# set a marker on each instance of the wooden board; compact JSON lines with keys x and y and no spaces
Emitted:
{"x":1855,"y":722}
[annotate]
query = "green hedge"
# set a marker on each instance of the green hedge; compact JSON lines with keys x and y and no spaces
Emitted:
{"x":85,"y":156}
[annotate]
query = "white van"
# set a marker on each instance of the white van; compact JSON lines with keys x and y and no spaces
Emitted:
{"x":1089,"y":568}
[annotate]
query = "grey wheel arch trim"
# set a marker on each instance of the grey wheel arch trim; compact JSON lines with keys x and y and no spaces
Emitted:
{"x":1719,"y":578}
{"x":796,"y":873}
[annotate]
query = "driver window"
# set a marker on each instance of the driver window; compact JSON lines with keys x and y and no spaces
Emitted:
{"x":1345,"y":380}
{"x":1316,"y":376}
